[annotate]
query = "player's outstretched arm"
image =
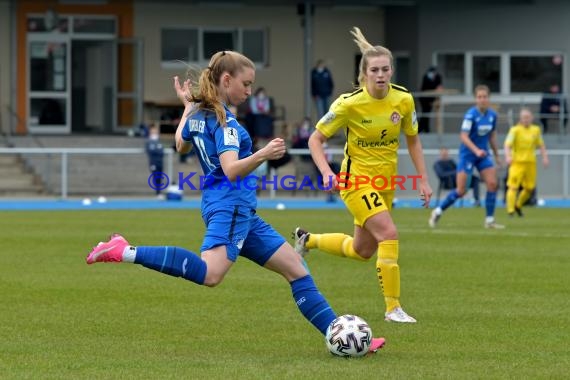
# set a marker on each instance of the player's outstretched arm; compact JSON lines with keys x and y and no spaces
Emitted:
{"x":183,"y":93}
{"x":417,"y":155}
{"x":316,"y":142}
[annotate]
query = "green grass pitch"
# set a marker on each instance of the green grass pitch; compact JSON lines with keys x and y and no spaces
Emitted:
{"x":490,"y":304}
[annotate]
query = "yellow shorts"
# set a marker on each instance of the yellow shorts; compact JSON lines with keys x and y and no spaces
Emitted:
{"x":365,"y":202}
{"x":522,"y":173}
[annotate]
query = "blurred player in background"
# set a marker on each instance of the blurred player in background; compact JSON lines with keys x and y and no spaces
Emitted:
{"x":232,"y":226}
{"x":520,"y":147}
{"x":478,"y":131}
{"x":372,"y":117}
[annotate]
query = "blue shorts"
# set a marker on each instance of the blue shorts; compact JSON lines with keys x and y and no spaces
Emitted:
{"x":467,"y":163}
{"x":243,"y":233}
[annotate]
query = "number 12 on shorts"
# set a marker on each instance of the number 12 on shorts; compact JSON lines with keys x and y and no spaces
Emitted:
{"x":372,"y":200}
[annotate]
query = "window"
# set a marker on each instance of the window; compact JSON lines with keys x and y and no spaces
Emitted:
{"x":48,"y":111}
{"x":196,"y":45}
{"x":215,"y":41}
{"x":535,"y":74}
{"x":47,"y":66}
{"x":487,"y":70}
{"x":94,"y":25}
{"x":253,"y":45}
{"x":452,"y":69}
{"x":50,"y":22}
{"x":402,"y":69}
{"x":179,"y":44}
{"x":503,"y":72}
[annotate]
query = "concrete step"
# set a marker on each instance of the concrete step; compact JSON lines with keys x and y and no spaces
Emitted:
{"x":14,"y":180}
{"x":19,"y":181}
{"x":19,"y":192}
{"x":10,"y":171}
{"x":8,"y":160}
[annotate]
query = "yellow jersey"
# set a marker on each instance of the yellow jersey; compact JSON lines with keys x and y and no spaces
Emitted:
{"x":523,"y":141}
{"x":372,"y":129}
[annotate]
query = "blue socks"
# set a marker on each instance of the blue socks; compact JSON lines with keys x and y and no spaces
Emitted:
{"x":173,"y":261}
{"x":490,"y":202}
{"x":178,"y":262}
{"x":311,"y":303}
{"x":450,"y":199}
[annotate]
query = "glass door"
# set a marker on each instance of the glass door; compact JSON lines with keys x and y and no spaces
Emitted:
{"x":48,"y":65}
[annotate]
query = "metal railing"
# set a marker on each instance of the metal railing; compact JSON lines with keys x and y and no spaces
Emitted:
{"x":554,"y":181}
{"x":66,"y":153}
{"x":449,"y":109}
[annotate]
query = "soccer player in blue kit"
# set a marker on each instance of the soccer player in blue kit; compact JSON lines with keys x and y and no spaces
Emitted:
{"x":478,"y":132}
{"x":229,"y":202}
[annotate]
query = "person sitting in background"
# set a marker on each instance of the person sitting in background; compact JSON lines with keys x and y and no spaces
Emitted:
{"x":446,"y":170}
{"x":260,"y":117}
{"x":301,"y":137}
{"x":155,"y":153}
{"x":550,"y":107}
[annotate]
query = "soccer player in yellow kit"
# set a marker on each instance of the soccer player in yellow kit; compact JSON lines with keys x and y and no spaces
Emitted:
{"x":372,"y":118}
{"x":520,"y":148}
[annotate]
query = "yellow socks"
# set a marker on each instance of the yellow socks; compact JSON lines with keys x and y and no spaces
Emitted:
{"x":389,"y":273}
{"x":335,"y":244}
{"x":386,"y":266}
{"x":511,"y":200}
{"x":523,"y":197}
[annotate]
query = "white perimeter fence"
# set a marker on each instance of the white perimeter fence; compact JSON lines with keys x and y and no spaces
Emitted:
{"x":124,"y":171}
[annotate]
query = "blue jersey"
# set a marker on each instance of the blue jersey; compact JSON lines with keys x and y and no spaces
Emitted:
{"x":479,"y":127}
{"x":210,"y":140}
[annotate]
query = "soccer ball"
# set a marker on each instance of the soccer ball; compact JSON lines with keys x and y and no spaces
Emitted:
{"x":348,"y":335}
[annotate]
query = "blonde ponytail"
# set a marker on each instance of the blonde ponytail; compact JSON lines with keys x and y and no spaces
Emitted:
{"x":360,"y":40}
{"x":368,"y":50}
{"x":206,"y":95}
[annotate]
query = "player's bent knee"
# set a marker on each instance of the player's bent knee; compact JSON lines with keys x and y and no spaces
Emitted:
{"x":366,"y":255}
{"x":213,"y":279}
{"x":365,"y":251}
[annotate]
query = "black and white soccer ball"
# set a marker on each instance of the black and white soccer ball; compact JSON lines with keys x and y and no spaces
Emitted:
{"x":349,"y":335}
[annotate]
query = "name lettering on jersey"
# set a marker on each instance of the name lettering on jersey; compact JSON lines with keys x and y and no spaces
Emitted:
{"x":366,"y":121}
{"x":328,"y":117}
{"x":231,"y":136}
{"x":197,"y":126}
{"x":395,"y":117}
{"x":484,"y":129}
{"x":376,"y":144}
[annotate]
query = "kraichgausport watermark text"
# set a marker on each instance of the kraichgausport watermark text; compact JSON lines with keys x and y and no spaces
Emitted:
{"x":160,"y":181}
